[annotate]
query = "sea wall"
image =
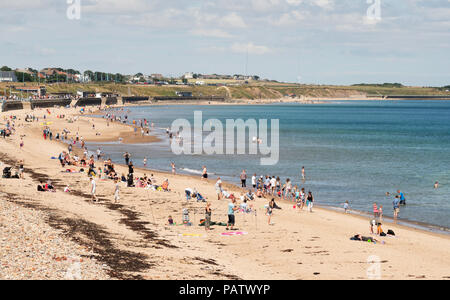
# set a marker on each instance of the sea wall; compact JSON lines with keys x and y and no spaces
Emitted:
{"x":198,"y":98}
{"x":11,"y":105}
{"x":134,"y":99}
{"x":50,"y":103}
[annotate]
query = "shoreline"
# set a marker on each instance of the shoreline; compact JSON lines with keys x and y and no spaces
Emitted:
{"x":418,"y":225}
{"x":134,"y":230}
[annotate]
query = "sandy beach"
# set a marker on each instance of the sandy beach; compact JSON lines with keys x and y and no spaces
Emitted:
{"x":131,"y":239}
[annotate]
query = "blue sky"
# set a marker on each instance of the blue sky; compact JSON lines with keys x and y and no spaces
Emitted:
{"x":307,"y":41}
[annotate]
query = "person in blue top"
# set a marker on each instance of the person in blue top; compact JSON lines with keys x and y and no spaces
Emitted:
{"x":232,"y":207}
{"x":402,"y":198}
{"x":396,"y":205}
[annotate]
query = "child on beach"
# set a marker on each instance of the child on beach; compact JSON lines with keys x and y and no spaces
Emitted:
{"x":346,"y":206}
{"x":269,"y":210}
{"x":231,"y":209}
{"x":375,"y":210}
{"x":93,"y":189}
{"x":208,"y":216}
{"x":116,"y":191}
{"x":310,"y":201}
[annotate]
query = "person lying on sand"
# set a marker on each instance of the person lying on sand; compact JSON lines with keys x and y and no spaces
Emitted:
{"x":361,"y":238}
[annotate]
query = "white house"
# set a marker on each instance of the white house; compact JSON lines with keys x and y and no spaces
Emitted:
{"x":188,"y":75}
{"x":8,"y":76}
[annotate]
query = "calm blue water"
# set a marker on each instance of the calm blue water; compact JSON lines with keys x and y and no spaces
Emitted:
{"x":354,"y":151}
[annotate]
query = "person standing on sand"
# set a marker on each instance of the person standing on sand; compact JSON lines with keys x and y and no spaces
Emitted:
{"x":380,"y":213}
{"x":231,"y":209}
{"x":116,"y":191}
{"x":244,"y":179}
{"x":21,"y":170}
{"x":93,"y":190}
{"x":254,"y":181}
{"x":174,"y":170}
{"x":310,"y":201}
{"x":218,"y":187}
{"x":99,"y":154}
{"x":270,"y":210}
{"x":208,"y":216}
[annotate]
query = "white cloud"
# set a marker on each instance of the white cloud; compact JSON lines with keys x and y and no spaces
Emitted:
{"x":217,"y":33}
{"x":233,"y":20}
{"x":251,"y":48}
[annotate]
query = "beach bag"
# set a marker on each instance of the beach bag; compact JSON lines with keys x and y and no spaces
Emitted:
{"x":390,"y":232}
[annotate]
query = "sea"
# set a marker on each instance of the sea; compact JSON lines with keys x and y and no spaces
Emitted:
{"x":356,"y":151}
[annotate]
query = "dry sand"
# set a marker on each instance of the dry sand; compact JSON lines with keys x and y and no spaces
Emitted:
{"x":131,"y":238}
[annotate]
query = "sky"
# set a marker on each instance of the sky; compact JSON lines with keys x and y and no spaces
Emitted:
{"x":304,"y":41}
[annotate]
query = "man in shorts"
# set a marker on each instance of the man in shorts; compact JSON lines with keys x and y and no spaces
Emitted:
{"x":396,"y":205}
{"x":231,"y":209}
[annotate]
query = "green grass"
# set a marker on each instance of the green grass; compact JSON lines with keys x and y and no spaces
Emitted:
{"x":254,"y":90}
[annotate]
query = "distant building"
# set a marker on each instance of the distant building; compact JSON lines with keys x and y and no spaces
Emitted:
{"x":39,"y":91}
{"x":84,"y":94}
{"x":157,"y":76}
{"x":188,"y":75}
{"x":8,"y":76}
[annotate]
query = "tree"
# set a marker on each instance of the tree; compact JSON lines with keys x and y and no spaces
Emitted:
{"x":5,"y":68}
{"x":24,"y":77}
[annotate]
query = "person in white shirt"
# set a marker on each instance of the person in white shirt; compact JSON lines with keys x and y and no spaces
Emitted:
{"x":254,"y":181}
{"x":93,"y":190}
{"x":116,"y":191}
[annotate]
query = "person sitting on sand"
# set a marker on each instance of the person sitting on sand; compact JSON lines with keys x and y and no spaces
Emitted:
{"x":170,"y":221}
{"x":200,"y":198}
{"x":189,"y":194}
{"x":259,"y":193}
{"x":49,"y":186}
{"x":41,"y":187}
{"x":245,"y":207}
{"x":250,"y":196}
{"x":165,"y":185}
{"x":380,"y":231}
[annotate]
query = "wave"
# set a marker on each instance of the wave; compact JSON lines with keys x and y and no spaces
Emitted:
{"x":191,"y":171}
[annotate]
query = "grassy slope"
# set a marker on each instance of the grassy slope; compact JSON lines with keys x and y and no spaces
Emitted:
{"x":255,"y":90}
